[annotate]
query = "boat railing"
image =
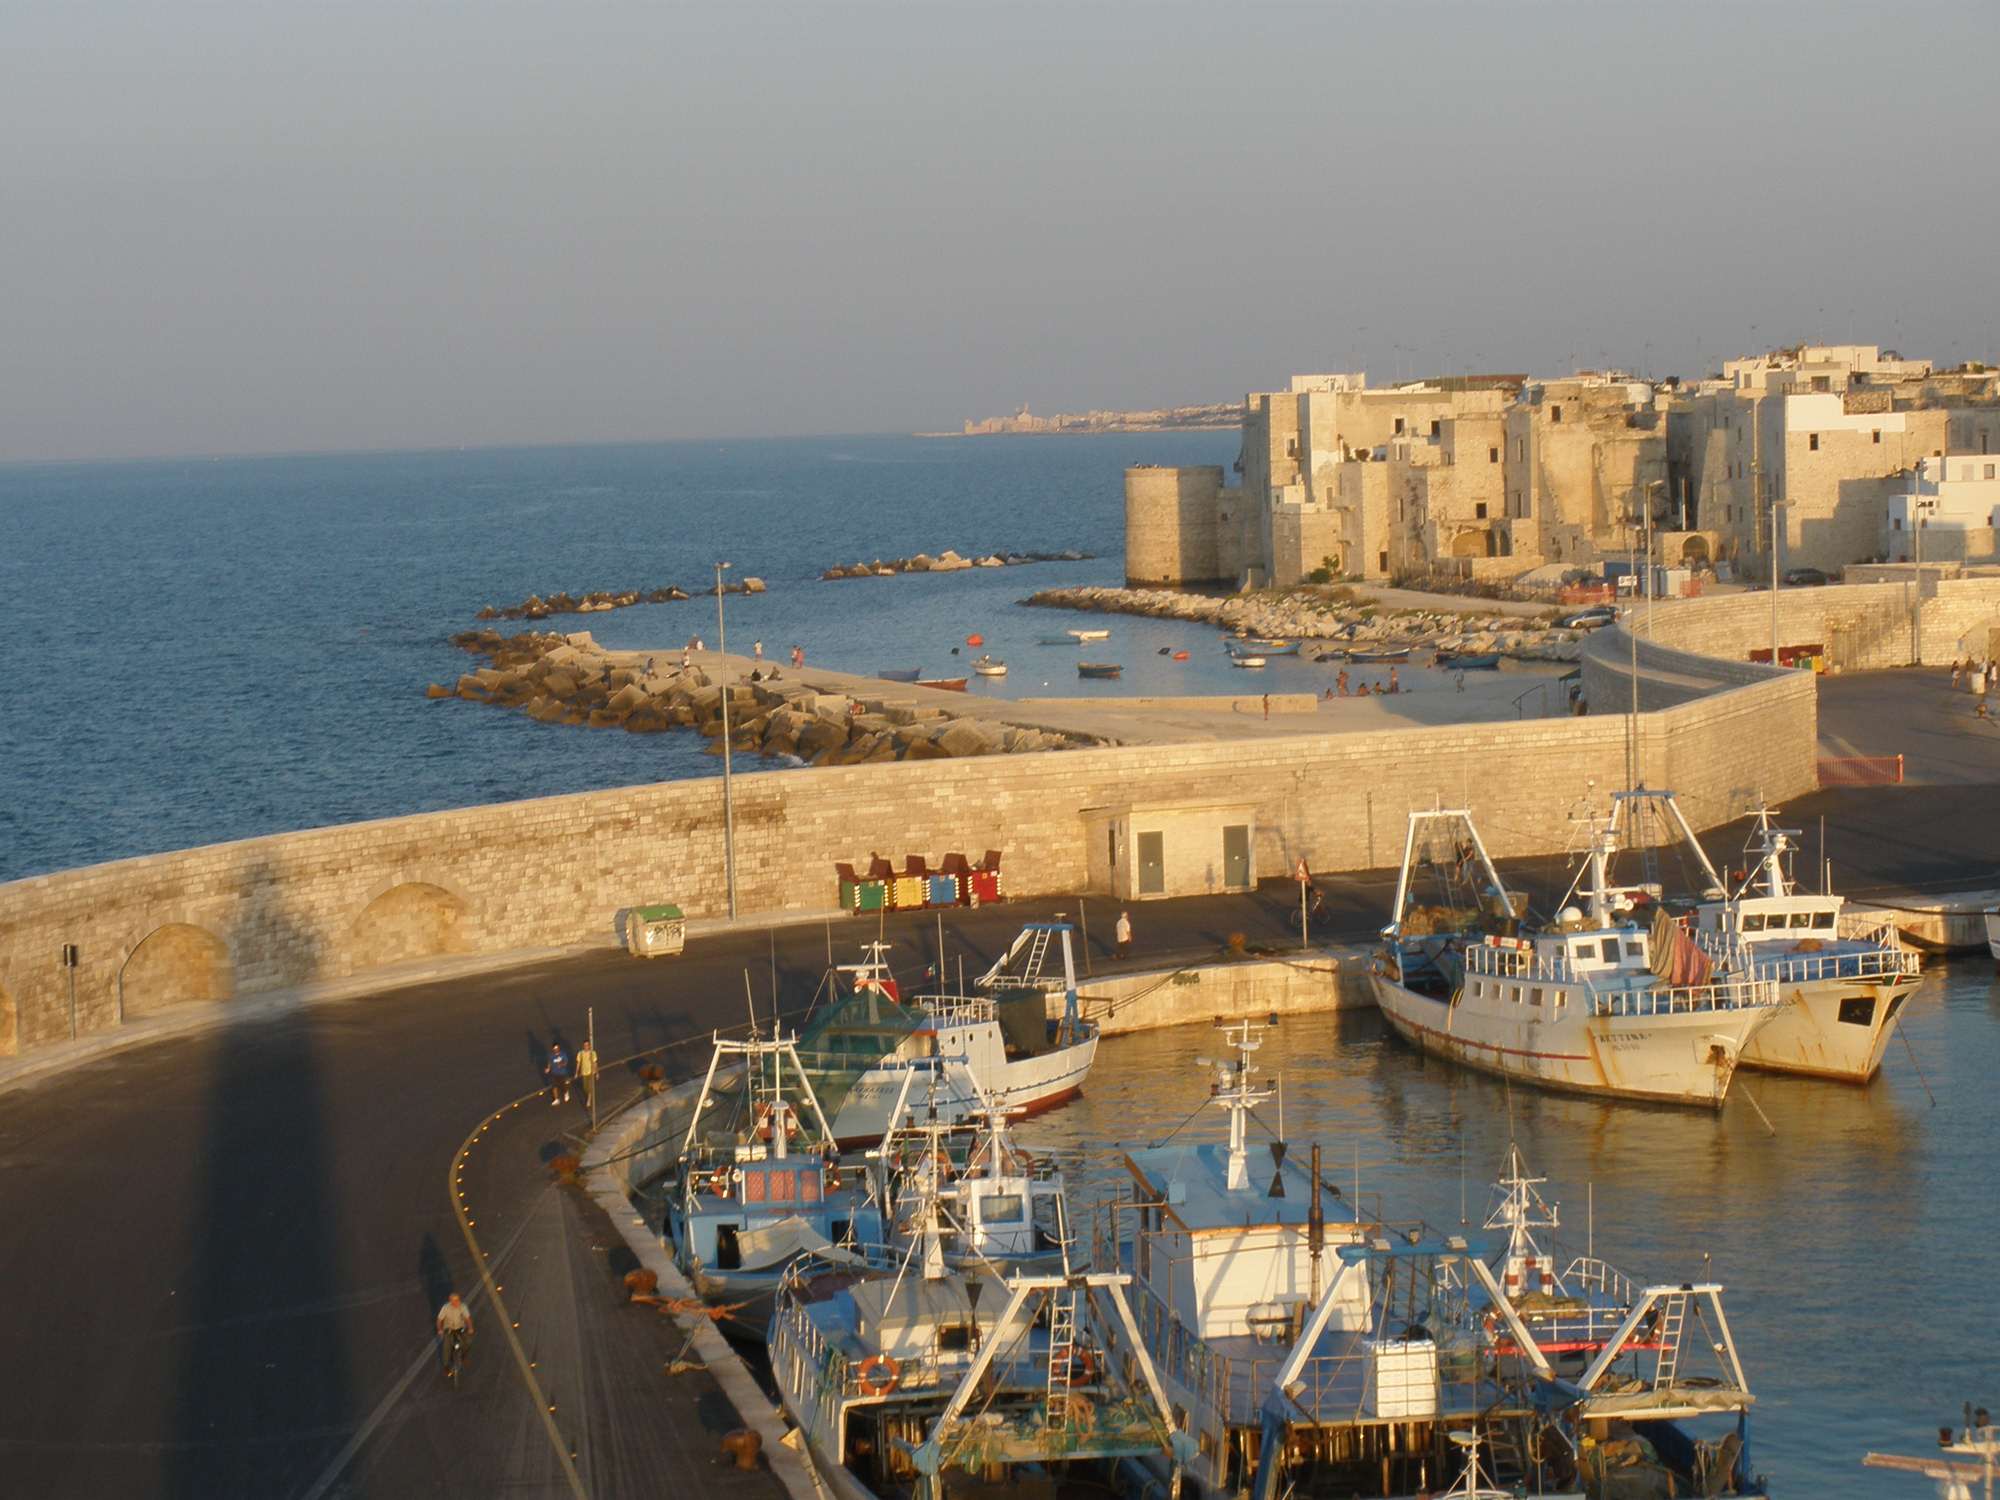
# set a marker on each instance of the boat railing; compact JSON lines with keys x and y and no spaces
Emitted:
{"x":956,"y":1010}
{"x":1594,"y":1275}
{"x":1685,"y":999}
{"x":1493,"y":961}
{"x":1870,"y":927}
{"x":1795,"y":967}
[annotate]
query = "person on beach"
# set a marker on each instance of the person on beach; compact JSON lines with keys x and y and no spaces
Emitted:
{"x":1341,"y":681}
{"x":1267,"y":705}
{"x":1362,"y":691}
{"x":1124,"y":934}
{"x":798,"y":657}
{"x":757,"y":650}
{"x":1394,"y":686}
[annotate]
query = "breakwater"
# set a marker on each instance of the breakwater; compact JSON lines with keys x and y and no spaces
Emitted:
{"x":571,"y":679}
{"x":1330,"y":617}
{"x":600,"y":601}
{"x":947,"y":561}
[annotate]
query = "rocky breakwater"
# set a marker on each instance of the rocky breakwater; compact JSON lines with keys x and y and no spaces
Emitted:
{"x":535,"y":607}
{"x":570,"y":679}
{"x":947,"y":561}
{"x":1340,"y":620}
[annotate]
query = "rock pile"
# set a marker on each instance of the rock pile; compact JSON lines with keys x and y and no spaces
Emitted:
{"x":570,"y":679}
{"x":1340,"y":623}
{"x":947,"y":561}
{"x":535,"y":607}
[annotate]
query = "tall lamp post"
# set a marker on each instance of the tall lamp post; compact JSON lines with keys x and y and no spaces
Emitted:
{"x":728,"y":785}
{"x":1920,"y":507}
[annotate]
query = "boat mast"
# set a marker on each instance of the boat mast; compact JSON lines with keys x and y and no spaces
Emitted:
{"x":1239,"y":1096}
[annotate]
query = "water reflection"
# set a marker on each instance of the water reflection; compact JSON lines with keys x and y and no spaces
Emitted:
{"x":1857,"y":1242}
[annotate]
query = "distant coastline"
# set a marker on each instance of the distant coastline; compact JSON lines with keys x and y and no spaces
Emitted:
{"x":1212,"y":417}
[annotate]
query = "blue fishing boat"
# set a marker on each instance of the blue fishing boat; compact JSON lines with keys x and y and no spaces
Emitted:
{"x":1468,"y":661}
{"x":900,"y":674}
{"x":1381,"y":655}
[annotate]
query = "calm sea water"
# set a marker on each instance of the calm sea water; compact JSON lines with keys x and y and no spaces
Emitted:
{"x":1857,"y":1243}
{"x":211,"y":650}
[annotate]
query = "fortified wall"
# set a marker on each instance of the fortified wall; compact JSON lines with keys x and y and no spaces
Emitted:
{"x":202,"y":925}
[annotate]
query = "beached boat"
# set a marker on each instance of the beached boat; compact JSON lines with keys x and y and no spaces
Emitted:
{"x":986,"y":666}
{"x":945,"y":684}
{"x":900,"y":674}
{"x":1468,"y":661}
{"x":757,"y":1180}
{"x":1843,"y":976}
{"x":1098,"y":669}
{"x":1245,"y":661}
{"x":1089,"y":635}
{"x":1381,"y":655}
{"x":874,"y":1053}
{"x":1595,"y":1003}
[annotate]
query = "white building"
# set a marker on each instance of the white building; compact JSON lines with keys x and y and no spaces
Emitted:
{"x":1957,"y":498}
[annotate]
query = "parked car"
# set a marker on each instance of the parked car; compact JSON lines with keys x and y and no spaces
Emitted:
{"x":1804,"y":578}
{"x":1588,"y":619}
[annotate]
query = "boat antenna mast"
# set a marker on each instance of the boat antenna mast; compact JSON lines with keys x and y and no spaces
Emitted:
{"x":1235,"y":1093}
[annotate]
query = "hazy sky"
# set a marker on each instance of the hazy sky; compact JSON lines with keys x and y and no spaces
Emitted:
{"x":258,"y":225}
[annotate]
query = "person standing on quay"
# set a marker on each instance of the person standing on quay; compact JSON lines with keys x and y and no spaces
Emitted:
{"x":586,"y":1073}
{"x":1124,"y":932}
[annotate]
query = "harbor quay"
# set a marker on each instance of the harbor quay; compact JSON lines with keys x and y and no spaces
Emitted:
{"x":272,"y":1326}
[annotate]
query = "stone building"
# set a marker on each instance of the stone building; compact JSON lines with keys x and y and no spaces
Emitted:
{"x":1583,"y":457}
{"x":1822,"y":436}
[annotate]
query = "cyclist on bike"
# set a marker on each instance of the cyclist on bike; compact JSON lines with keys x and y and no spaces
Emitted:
{"x":559,"y":1071}
{"x":454,"y":1327}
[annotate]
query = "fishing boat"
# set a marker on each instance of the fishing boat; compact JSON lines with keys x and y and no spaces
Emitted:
{"x":1058,"y":640}
{"x":757,"y":1181}
{"x":1098,"y":669}
{"x":900,"y":674}
{"x":990,"y":1203}
{"x":986,"y":666}
{"x":909,"y":1378}
{"x":1245,"y":661}
{"x":1286,"y":1322}
{"x":1594,"y":1003}
{"x":1381,"y":655}
{"x":945,"y":684}
{"x":1261,"y":647}
{"x":1843,"y":976}
{"x":1089,"y":635}
{"x":1643,"y":1381}
{"x":1962,"y":1459}
{"x":1468,"y":661}
{"x":873,"y":1053}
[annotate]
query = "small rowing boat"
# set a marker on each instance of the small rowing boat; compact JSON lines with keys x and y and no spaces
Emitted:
{"x":1058,"y":640}
{"x":1266,"y":648}
{"x":1098,"y":669}
{"x":1381,"y":655}
{"x":1245,"y":660}
{"x":944,"y":684}
{"x":900,"y":674}
{"x":1089,"y":635}
{"x":1468,"y":661}
{"x":986,"y":666}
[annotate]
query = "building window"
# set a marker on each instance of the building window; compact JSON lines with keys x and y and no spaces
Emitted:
{"x":1382,"y":561}
{"x":1493,"y":454}
{"x":1989,"y":471}
{"x":1399,"y":424}
{"x":1812,"y":442}
{"x":1437,"y":427}
{"x":1896,"y":523}
{"x":1479,"y":510}
{"x":1555,"y":413}
{"x":1877,"y":435}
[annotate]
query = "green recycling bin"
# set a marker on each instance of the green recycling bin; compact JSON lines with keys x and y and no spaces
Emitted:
{"x":653,"y":930}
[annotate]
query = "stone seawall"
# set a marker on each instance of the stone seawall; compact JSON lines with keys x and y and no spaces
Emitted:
{"x":200,"y":925}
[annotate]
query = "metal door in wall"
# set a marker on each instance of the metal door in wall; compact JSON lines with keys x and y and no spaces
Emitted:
{"x":1236,"y":857}
{"x":1152,"y":864}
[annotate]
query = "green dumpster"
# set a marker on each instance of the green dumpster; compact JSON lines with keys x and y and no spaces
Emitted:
{"x":653,"y":930}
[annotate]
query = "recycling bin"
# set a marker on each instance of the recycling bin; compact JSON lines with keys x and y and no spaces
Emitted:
{"x":653,"y":930}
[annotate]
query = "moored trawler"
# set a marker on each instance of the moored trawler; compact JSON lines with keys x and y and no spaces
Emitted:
{"x":1843,"y":976}
{"x":1593,"y":1004}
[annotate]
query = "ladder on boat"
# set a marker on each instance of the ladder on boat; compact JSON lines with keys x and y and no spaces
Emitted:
{"x":1062,"y":1353}
{"x":1506,"y":1455}
{"x":1673,"y":1322}
{"x":1031,"y":966}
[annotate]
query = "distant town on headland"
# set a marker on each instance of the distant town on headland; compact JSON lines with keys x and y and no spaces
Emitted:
{"x":1217,"y":414}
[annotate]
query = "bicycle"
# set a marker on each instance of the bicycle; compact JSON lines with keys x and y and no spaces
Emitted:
{"x":455,"y":1340}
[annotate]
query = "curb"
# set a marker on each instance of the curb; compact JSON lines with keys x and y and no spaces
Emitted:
{"x":752,"y":1406}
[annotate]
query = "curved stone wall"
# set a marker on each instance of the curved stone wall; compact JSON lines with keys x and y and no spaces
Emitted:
{"x":1171,"y":525}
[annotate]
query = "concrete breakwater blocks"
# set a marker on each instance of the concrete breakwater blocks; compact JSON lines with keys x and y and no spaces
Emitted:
{"x":1307,"y":982}
{"x":571,"y":679}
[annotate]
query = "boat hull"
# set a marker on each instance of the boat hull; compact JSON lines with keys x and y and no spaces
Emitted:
{"x":1028,"y":1085}
{"x":1830,"y":1028}
{"x":1686,"y":1058}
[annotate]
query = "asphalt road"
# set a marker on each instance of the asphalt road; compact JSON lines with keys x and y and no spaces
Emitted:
{"x":224,"y":1251}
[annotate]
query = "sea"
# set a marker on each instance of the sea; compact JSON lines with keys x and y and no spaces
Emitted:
{"x":1853,"y":1233}
{"x":214,"y":649}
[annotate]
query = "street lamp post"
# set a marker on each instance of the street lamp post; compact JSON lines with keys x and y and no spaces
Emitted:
{"x":1919,"y":508}
{"x":728,"y":784}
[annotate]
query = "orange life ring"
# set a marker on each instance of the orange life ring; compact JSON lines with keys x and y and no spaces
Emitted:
{"x":764,"y":1115}
{"x":879,"y":1375}
{"x":1084,"y":1366}
{"x":718,"y":1182}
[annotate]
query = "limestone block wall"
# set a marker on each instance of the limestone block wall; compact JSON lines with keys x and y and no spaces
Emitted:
{"x":196,"y":926}
{"x":1173,"y":520}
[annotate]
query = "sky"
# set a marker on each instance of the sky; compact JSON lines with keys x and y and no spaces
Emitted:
{"x":242,"y":226}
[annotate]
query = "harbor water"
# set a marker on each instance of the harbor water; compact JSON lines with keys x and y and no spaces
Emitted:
{"x":1857,"y":1243}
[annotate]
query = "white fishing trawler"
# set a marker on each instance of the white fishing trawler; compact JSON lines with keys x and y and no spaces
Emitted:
{"x":1286,"y":1322}
{"x":909,"y":1378}
{"x":1593,"y":1004}
{"x":1965,"y":1464}
{"x":1843,"y":976}
{"x":874,"y":1052}
{"x":989,"y":1202}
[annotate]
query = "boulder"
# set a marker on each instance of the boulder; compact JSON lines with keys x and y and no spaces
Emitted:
{"x":821,"y":736}
{"x":646,"y":720}
{"x":544,"y":710}
{"x":753,"y":585}
{"x":471,"y":687}
{"x":437,"y":690}
{"x":966,"y":737}
{"x":924,"y":748}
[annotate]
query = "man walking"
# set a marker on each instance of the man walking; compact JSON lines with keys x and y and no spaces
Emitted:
{"x":586,"y":1073}
{"x":1124,"y":932}
{"x":559,"y":1071}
